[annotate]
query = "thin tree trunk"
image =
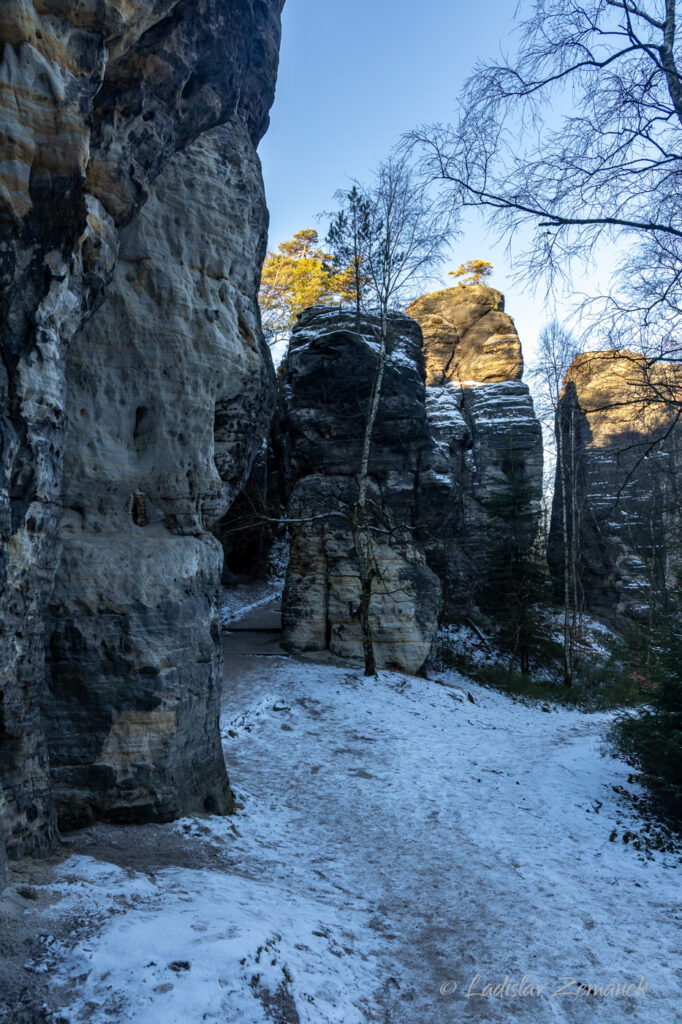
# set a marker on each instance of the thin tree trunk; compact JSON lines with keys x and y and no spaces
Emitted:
{"x":366,"y":572}
{"x":574,"y":537}
{"x":361,"y":530}
{"x":568,"y":650}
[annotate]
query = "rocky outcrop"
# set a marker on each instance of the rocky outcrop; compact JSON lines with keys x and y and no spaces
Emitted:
{"x":468,"y":337}
{"x":96,"y":100}
{"x":622,"y":458}
{"x":483,"y":483}
{"x":170,"y":392}
{"x":327,"y":378}
{"x":456,"y":470}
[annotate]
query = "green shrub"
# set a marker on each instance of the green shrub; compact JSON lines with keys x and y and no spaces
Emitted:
{"x":652,"y":740}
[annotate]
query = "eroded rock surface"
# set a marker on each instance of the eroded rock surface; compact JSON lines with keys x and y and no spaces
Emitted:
{"x":617,"y":427}
{"x":170,"y":390}
{"x":326,"y":382}
{"x":467,"y":336}
{"x":96,"y":97}
{"x":482,"y":485}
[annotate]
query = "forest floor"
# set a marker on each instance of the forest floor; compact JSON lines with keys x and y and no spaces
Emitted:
{"x":404,"y":850}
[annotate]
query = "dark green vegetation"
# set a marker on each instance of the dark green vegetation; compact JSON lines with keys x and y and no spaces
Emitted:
{"x":652,"y":740}
{"x":602,"y":682}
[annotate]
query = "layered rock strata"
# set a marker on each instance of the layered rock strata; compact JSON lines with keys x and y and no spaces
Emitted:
{"x":618,"y":483}
{"x":327,"y":380}
{"x":468,"y":336}
{"x":96,"y":99}
{"x":170,"y":391}
{"x":485,"y":473}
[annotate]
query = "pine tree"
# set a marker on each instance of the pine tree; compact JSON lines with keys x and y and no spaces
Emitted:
{"x":348,"y":237}
{"x":472,"y":272}
{"x":298,"y":275}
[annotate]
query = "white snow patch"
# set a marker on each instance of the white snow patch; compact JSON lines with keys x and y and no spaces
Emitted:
{"x":393,"y":837}
{"x":240,"y":598}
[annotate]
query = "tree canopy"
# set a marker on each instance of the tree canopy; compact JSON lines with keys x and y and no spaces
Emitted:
{"x":300,"y":274}
{"x":472,"y":272}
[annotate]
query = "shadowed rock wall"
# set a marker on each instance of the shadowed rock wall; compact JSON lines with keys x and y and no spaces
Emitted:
{"x":622,"y":445}
{"x":326,"y":383}
{"x":170,"y":391}
{"x":484,"y":477}
{"x":96,"y":98}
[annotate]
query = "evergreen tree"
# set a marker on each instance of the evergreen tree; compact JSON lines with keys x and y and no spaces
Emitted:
{"x":298,"y":275}
{"x":348,"y":237}
{"x":652,"y":740}
{"x":472,"y":272}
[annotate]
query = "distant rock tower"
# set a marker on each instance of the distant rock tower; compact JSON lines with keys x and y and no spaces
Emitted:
{"x":623,"y":449}
{"x":489,"y":451}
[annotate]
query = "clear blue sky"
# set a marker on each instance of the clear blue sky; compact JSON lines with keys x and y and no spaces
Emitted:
{"x":355,"y":75}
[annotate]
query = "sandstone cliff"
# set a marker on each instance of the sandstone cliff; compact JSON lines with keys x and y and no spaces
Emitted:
{"x":96,"y":99}
{"x":485,"y":474}
{"x":326,"y":383}
{"x":467,"y":336}
{"x":622,"y":448}
{"x":456,"y":469}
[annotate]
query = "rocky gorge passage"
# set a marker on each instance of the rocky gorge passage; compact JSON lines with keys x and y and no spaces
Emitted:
{"x":99,"y":100}
{"x":374,"y":860}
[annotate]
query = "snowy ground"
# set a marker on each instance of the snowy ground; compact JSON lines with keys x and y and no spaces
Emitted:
{"x":400,"y":844}
{"x":240,"y":598}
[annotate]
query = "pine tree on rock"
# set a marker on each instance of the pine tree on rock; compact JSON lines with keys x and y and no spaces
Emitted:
{"x":300,"y":274}
{"x":473,"y":272}
{"x":348,"y":236}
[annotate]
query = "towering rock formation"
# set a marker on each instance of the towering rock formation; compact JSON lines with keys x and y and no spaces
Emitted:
{"x":456,"y":470}
{"x":96,"y":99}
{"x":622,"y":458}
{"x":489,"y":442}
{"x":468,"y":337}
{"x":326,"y":384}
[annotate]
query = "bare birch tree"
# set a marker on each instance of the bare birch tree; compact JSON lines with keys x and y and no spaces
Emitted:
{"x":577,"y":136}
{"x":556,"y":351}
{"x":404,"y":239}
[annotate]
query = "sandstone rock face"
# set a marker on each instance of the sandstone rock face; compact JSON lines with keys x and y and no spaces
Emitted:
{"x":482,"y":485}
{"x":96,"y":97}
{"x":170,"y":391}
{"x":467,"y":336}
{"x":326,"y":382}
{"x":619,"y":432}
{"x":489,"y":455}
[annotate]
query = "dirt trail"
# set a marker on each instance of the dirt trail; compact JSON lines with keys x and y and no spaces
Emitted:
{"x":393,"y":837}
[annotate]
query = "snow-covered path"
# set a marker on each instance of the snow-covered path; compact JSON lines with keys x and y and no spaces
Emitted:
{"x":395,"y":838}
